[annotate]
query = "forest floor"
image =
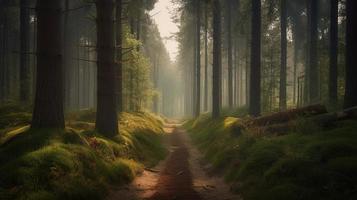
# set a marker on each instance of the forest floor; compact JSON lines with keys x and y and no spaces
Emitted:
{"x":181,"y":176}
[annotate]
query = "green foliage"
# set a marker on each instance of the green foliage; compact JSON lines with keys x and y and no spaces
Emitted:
{"x":73,"y":164}
{"x":314,"y":164}
{"x":13,"y":115}
{"x":137,"y":85}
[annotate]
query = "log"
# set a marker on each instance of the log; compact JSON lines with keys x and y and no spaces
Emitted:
{"x":322,"y":120}
{"x":286,"y":116}
{"x":328,"y":118}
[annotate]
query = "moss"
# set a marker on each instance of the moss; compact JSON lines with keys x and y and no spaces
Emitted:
{"x":310,"y":164}
{"x":77,"y":164}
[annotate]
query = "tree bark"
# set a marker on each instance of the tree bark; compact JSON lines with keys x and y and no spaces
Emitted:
{"x":24,"y":48}
{"x":198,"y":59}
{"x":217,"y":71}
{"x":254,"y":91}
{"x":313,"y":64}
{"x":229,"y":52}
{"x":206,"y":60}
{"x":283,"y":58}
{"x":333,"y":52}
{"x":106,"y":119}
{"x":119,"y":43}
{"x":351,"y":49}
{"x":48,"y":109}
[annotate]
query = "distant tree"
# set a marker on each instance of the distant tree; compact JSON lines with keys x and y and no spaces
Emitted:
{"x":119,"y":43}
{"x":48,"y":108}
{"x":205,"y":102}
{"x":229,"y":51}
{"x":24,"y":51}
{"x":106,"y":119}
{"x":283,"y":57}
{"x":313,"y":73}
{"x":217,"y":71}
{"x":351,"y":49}
{"x":198,"y":59}
{"x":255,"y":90}
{"x":333,"y":72}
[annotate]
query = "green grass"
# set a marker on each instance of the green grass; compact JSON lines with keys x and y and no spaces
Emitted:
{"x":77,"y":163}
{"x":309,"y":163}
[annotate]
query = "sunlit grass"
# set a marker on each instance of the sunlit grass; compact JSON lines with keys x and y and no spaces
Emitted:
{"x":309,"y":163}
{"x":77,"y":163}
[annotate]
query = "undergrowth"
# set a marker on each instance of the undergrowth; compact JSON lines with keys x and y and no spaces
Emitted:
{"x":309,"y":163}
{"x":77,"y":163}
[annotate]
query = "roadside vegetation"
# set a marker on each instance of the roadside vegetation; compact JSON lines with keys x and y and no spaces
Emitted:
{"x":308,"y":161}
{"x":75,"y":163}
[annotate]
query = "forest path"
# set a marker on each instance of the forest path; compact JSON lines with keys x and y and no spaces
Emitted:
{"x":180,"y":177}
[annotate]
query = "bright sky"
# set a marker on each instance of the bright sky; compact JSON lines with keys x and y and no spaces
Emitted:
{"x":162,"y":16}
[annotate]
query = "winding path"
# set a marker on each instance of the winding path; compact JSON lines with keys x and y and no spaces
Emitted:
{"x":182,"y":176}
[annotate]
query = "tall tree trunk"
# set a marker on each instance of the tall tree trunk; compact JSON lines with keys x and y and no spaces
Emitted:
{"x":194,"y":70}
{"x":296,"y":53}
{"x":119,"y":43}
{"x":313,"y":65}
{"x":66,"y":59}
{"x":229,"y":52}
{"x":217,"y":71}
{"x":2,"y":56}
{"x":156,"y":81}
{"x":106,"y":119}
{"x":283,"y":57}
{"x":333,"y":52}
{"x":198,"y":59}
{"x":351,"y":49}
{"x":206,"y":59}
{"x":254,"y":91}
{"x":48,"y":110}
{"x":24,"y":56}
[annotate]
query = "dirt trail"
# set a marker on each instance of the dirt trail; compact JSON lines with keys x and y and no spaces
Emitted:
{"x":180,"y":177}
{"x":175,"y":180}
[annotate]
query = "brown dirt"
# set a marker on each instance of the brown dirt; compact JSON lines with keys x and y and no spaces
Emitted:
{"x":175,"y":181}
{"x":182,"y":176}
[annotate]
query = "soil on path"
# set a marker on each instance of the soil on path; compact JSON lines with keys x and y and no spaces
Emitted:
{"x":175,"y":180}
{"x":182,"y":176}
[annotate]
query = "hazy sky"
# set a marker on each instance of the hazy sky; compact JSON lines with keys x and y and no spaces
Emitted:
{"x":162,"y":16}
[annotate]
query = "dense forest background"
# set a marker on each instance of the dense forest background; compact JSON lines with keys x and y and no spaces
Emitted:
{"x":91,"y":97}
{"x":279,"y":55}
{"x":143,"y":60}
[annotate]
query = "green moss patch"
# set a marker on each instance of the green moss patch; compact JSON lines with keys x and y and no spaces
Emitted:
{"x":77,"y":163}
{"x":307,"y":164}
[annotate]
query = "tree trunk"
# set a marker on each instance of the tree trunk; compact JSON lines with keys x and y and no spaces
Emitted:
{"x":217,"y":71}
{"x":119,"y":43}
{"x":283,"y":74}
{"x":229,"y":52}
{"x":24,"y":48}
{"x":66,"y":60}
{"x":206,"y":59}
{"x":313,"y":64}
{"x":351,"y":49}
{"x":333,"y":52}
{"x":254,"y":91}
{"x":2,"y":56}
{"x":106,"y":119}
{"x":48,"y":109}
{"x":198,"y":59}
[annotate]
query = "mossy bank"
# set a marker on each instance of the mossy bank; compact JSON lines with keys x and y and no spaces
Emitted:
{"x":316,"y":164}
{"x":77,"y":163}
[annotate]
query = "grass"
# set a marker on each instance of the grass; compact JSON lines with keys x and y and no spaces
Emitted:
{"x":77,"y":163}
{"x":309,"y":163}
